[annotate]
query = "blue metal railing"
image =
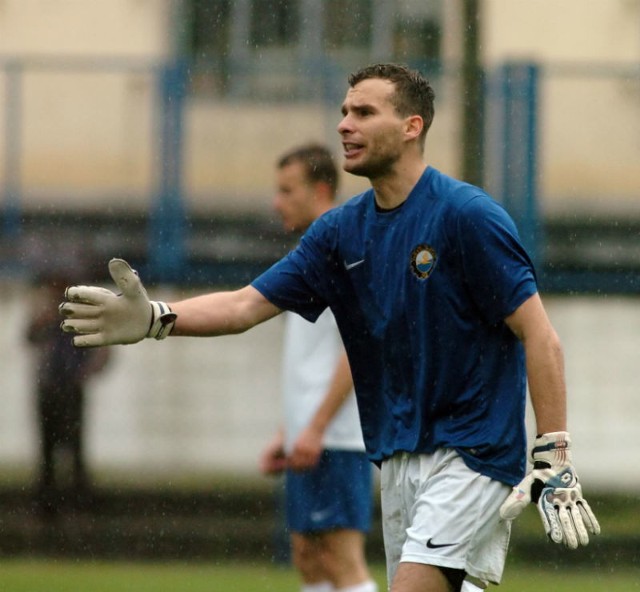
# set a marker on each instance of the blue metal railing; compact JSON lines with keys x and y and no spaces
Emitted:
{"x":519,"y":159}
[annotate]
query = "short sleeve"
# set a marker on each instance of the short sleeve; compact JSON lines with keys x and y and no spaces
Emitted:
{"x":496,"y":267}
{"x":298,"y":282}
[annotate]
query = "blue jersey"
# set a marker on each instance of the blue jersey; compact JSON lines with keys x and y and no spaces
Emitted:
{"x":420,"y":294}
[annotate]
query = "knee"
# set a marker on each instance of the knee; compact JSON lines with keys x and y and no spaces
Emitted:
{"x":306,"y":557}
{"x":340,"y":565}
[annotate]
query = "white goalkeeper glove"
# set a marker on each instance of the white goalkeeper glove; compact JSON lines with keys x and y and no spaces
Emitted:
{"x":553,"y":486}
{"x":100,"y":317}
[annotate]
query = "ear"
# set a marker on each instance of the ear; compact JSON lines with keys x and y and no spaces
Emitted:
{"x":323,"y":192}
{"x":414,"y":124}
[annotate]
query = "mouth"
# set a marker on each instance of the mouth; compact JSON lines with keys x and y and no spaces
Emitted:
{"x":351,"y":150}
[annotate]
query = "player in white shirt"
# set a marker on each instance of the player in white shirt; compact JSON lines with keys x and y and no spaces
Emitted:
{"x":320,"y":446}
{"x":310,"y":349}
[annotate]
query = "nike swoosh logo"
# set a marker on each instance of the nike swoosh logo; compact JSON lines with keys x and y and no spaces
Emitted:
{"x":349,"y":266}
{"x":432,"y":545}
{"x":320,"y":515}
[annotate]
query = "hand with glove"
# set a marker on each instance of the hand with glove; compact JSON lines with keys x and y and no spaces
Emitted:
{"x":553,"y":486}
{"x":99,"y":317}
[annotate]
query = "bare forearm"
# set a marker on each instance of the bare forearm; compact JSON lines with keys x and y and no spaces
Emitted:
{"x":339,"y":388}
{"x":308,"y":446}
{"x":545,"y":368}
{"x":222,"y":313}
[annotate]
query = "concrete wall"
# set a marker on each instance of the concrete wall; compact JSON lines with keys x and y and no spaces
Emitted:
{"x":205,"y":406}
{"x":132,"y":28}
{"x":589,"y":117}
{"x":572,"y":30}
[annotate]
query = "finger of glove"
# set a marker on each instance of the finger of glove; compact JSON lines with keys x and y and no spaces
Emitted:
{"x":549,"y":515}
{"x":81,"y":326}
{"x":92,"y":340}
{"x":569,"y":531}
{"x":88,"y":294}
{"x":588,"y":517}
{"x":546,"y":523}
{"x":580,"y":528}
{"x":518,"y":499}
{"x":77,"y":310}
{"x":126,"y":278}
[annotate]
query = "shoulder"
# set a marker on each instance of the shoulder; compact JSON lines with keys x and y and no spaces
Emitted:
{"x":456,"y":193}
{"x":354,"y":206}
{"x":483,"y":210}
{"x":467,"y":202}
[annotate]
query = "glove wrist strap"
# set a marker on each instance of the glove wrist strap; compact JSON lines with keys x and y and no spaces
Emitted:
{"x":553,"y":448}
{"x":162,"y":320}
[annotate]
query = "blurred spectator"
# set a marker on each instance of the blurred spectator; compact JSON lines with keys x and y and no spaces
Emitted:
{"x":328,"y":477}
{"x":61,"y":374}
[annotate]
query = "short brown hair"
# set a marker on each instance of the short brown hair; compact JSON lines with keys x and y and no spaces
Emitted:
{"x":413,"y":92}
{"x":318,"y":163}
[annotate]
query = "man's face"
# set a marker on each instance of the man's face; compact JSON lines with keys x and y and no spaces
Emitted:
{"x":371,"y":130}
{"x":295,"y":198}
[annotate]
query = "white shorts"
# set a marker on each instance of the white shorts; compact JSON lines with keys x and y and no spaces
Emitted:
{"x":437,"y":511}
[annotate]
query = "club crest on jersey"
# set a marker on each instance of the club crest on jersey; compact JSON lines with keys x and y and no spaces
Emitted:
{"x":423,"y":260}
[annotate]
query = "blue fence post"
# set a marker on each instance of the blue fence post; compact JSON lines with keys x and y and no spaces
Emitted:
{"x":167,"y":258}
{"x":519,"y":147}
{"x":12,"y":207}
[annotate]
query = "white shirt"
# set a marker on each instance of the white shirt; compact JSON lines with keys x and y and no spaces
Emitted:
{"x":311,"y":354}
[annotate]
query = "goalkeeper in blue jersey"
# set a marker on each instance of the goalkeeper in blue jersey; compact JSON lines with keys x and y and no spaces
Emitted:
{"x":437,"y":305}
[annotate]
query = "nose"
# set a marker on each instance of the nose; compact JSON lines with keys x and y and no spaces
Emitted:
{"x":276,"y":203}
{"x":344,"y":126}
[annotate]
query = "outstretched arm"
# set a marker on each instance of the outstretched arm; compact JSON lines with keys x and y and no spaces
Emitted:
{"x":222,"y":313}
{"x":98,"y":316}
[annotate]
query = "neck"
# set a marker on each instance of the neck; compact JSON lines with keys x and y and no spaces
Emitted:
{"x":323,"y":207}
{"x":392,"y":189}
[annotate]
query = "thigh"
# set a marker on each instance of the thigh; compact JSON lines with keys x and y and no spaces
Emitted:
{"x":417,"y":577}
{"x":395,"y":517}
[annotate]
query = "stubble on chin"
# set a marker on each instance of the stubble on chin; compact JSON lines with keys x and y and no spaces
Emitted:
{"x":353,"y":169}
{"x":370,"y":170}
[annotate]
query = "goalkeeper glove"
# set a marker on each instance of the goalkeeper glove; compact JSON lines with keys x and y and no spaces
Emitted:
{"x":553,"y":486}
{"x":99,"y":317}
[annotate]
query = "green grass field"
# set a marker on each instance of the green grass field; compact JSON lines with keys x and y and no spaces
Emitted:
{"x":22,"y":575}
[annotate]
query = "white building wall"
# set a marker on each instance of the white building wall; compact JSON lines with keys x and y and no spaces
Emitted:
{"x":81,"y":28}
{"x":589,"y":117}
{"x":599,"y":31}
